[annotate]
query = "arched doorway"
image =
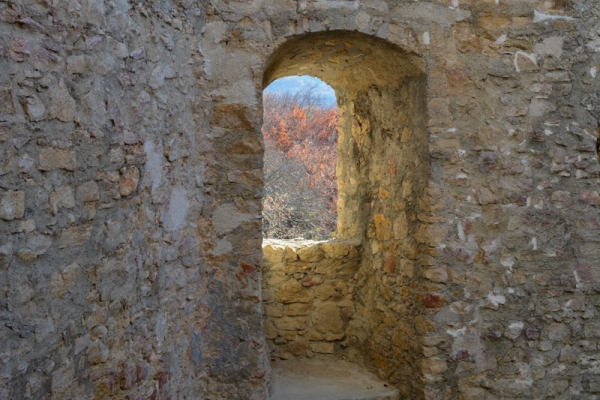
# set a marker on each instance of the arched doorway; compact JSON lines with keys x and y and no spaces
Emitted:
{"x":383,"y":168}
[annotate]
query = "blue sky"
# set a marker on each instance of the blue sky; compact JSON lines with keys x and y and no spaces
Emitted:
{"x":294,"y":84}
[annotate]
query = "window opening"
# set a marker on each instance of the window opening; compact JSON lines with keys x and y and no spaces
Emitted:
{"x":300,"y":135}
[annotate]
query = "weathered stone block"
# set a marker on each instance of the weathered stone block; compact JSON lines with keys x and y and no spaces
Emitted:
{"x":438,"y":275}
{"x":297,"y":309}
{"x":322,"y":347}
{"x":297,"y":347}
{"x":61,"y":198}
{"x":400,"y":226}
{"x":423,"y":324}
{"x":275,"y":277}
{"x":331,"y":291}
{"x":290,"y":323}
{"x":557,"y":387}
{"x":339,"y":250}
{"x":340,"y":268}
{"x":293,"y":292}
{"x":88,"y":191}
{"x":129,"y":181}
{"x":51,"y":159}
{"x":62,"y":281}
{"x":233,"y":116}
{"x":433,"y":366}
{"x":467,"y":41}
{"x":74,"y":236}
{"x":63,"y":105}
{"x":326,"y":318}
{"x":431,"y":234}
{"x":383,"y":227}
{"x":34,"y":108}
{"x":270,"y":330}
{"x":400,"y":340}
{"x":12,"y":205}
{"x":6,"y":100}
{"x":310,"y":254}
{"x":273,"y":254}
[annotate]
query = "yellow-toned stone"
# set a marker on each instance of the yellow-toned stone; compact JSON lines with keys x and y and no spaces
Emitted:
{"x":423,"y":324}
{"x":288,"y":335}
{"x":410,"y":249}
{"x":407,"y":268}
{"x":406,"y":135}
{"x":276,"y":277}
{"x":290,"y":254}
{"x":384,"y":193}
{"x":290,"y":323}
{"x":273,"y":310}
{"x":433,"y":366}
{"x":291,"y":268}
{"x":310,"y":253}
{"x":322,"y":347}
{"x":335,"y":291}
{"x":429,"y":351}
{"x":297,"y":348}
{"x":406,"y":328}
{"x":297,"y":309}
{"x":332,"y":337}
{"x":431,"y":234}
{"x":438,"y":275}
{"x":270,"y":330}
{"x":494,"y":22}
{"x":340,"y":249}
{"x":273,"y":254}
{"x":337,"y":268}
{"x":383,"y":227}
{"x":294,"y":292}
{"x":327,"y":319}
{"x":406,"y":189}
{"x":314,"y":336}
{"x":401,"y":226}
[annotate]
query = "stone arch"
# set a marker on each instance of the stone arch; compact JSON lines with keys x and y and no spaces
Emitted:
{"x":383,"y":171}
{"x":367,"y":73}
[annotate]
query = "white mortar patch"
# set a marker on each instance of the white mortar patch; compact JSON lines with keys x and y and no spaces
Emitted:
{"x":154,"y":164}
{"x":539,"y":17}
{"x":426,"y":39}
{"x":227,"y":217}
{"x":531,"y":57}
{"x":178,"y":206}
{"x":496,"y":299}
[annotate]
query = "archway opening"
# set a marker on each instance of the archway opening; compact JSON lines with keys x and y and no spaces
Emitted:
{"x":353,"y":297}
{"x":300,"y":140}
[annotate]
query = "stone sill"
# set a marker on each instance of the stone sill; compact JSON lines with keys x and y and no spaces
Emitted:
{"x":290,"y":250}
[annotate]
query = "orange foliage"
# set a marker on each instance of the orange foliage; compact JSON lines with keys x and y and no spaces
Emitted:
{"x":300,"y":139}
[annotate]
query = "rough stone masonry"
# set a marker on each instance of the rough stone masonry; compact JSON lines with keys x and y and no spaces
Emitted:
{"x":131,"y":184}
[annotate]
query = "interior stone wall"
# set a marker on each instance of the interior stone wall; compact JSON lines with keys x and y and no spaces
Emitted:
{"x":131,"y":183}
{"x":309,"y":296}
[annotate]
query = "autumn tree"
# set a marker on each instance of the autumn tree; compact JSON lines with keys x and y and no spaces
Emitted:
{"x":300,"y":138}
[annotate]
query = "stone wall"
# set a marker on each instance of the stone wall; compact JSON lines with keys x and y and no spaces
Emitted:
{"x":131,"y":184}
{"x":121,"y":208}
{"x":308,"y":296}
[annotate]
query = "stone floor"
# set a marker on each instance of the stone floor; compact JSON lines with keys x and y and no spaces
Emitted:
{"x":326,"y":379}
